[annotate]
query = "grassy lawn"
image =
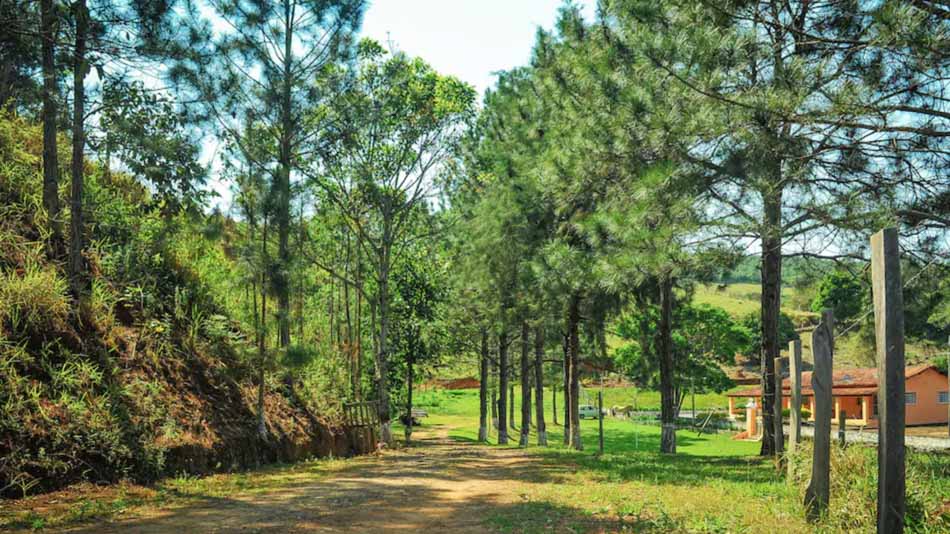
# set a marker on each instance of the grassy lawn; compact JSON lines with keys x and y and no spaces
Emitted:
{"x":713,"y":484}
{"x":465,"y":402}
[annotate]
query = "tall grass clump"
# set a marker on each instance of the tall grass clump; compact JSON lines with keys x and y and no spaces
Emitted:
{"x":853,"y":506}
{"x":32,"y":297}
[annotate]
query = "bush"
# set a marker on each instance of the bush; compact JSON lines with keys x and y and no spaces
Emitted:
{"x":805,"y":414}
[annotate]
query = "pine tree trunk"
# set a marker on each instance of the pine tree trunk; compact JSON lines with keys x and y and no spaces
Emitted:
{"x":566,"y":365}
{"x":262,"y":341}
{"x":771,"y":310}
{"x":665,"y":350}
{"x":494,"y":395}
{"x":525,"y":385}
{"x":574,"y":318}
{"x":539,"y":386}
{"x":50,"y":97}
{"x":79,"y":140}
{"x":502,"y":389}
{"x":511,"y":405}
{"x":357,"y":390}
{"x":483,"y":390}
{"x":554,"y":403}
{"x":281,"y":278}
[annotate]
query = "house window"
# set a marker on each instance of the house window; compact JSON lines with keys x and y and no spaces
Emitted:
{"x":910,"y":398}
{"x":943,"y":397}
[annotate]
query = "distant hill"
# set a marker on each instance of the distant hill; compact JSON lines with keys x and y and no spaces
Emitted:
{"x":794,"y":270}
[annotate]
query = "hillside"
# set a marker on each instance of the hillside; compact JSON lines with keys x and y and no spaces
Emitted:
{"x":854,"y":349}
{"x":145,"y":374}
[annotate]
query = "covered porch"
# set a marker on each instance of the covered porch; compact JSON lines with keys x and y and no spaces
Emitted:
{"x":858,"y":404}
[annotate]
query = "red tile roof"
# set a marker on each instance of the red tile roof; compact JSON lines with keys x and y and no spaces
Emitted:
{"x":844,"y":382}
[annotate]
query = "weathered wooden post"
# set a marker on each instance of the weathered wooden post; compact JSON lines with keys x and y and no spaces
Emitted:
{"x":822,"y":346}
{"x":842,"y":417}
{"x":600,"y":418}
{"x":889,"y":337}
{"x":795,"y":402}
{"x":777,"y":411}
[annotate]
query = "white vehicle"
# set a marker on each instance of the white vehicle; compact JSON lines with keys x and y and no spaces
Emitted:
{"x":587,"y":411}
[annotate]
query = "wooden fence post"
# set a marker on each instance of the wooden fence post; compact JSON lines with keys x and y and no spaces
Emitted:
{"x":600,"y":418}
{"x":822,"y":346}
{"x":889,"y":337}
{"x":842,"y":419}
{"x":795,"y":402}
{"x":777,"y":411}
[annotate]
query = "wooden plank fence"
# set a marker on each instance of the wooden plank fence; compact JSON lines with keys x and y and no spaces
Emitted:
{"x":361,"y":420}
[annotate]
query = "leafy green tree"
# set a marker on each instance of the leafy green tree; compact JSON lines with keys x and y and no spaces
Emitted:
{"x":419,"y":290}
{"x":144,"y":131}
{"x":389,"y":128}
{"x":704,"y":339}
{"x":841,"y":292}
{"x":252,"y":199}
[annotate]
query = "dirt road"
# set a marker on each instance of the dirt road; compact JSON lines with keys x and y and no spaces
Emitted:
{"x":436,"y":485}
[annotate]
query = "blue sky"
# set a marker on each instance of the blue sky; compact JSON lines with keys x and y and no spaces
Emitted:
{"x":470,"y":39}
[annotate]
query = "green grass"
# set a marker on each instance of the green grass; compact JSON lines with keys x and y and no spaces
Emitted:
{"x":458,"y":410}
{"x":713,"y":484}
{"x":742,"y":299}
{"x":465,"y":401}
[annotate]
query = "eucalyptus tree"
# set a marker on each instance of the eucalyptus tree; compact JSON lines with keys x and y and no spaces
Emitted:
{"x":810,"y":123}
{"x":390,"y":127}
{"x":419,"y":279}
{"x":259,"y":67}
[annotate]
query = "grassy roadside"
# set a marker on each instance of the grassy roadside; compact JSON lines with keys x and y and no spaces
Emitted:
{"x":86,"y":502}
{"x":713,"y":484}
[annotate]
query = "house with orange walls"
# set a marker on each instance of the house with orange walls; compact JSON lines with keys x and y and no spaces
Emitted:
{"x":854,"y":391}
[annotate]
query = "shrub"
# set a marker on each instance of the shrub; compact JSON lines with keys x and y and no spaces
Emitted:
{"x":805,"y":414}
